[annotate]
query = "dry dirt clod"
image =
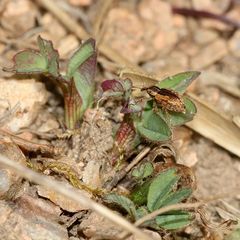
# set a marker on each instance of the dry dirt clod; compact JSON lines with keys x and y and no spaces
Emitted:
{"x":205,"y":36}
{"x":212,"y":174}
{"x":28,"y":94}
{"x":67,"y":45}
{"x":234,"y":44}
{"x":160,"y":34}
{"x":97,"y":227}
{"x":54,"y":31}
{"x":125,"y":39}
{"x":80,"y":2}
{"x":213,"y":6}
{"x":19,"y":223}
{"x":210,"y":54}
{"x":61,"y":201}
{"x":20,"y":15}
{"x":39,"y":207}
{"x":7,"y":177}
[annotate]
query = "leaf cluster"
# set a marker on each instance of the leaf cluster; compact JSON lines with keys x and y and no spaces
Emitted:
{"x":152,"y":194}
{"x":154,"y":123}
{"x":77,"y":83}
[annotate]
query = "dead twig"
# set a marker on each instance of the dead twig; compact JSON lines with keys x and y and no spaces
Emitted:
{"x":99,"y":28}
{"x":72,"y":194}
{"x":122,"y":173}
{"x":189,"y":12}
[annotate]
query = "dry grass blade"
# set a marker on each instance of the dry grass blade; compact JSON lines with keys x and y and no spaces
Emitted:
{"x":72,"y":194}
{"x":105,"y":6}
{"x":205,"y":218}
{"x":178,"y":206}
{"x":140,"y":79}
{"x":211,"y":124}
{"x":224,"y":82}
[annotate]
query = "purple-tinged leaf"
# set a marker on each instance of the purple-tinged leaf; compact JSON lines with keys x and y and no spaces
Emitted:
{"x":82,"y":69}
{"x":28,"y":61}
{"x":86,"y":50}
{"x":84,"y":82}
{"x":112,"y":85}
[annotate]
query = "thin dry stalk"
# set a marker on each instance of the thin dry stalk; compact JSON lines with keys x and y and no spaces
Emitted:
{"x":121,"y":174}
{"x":72,"y":194}
{"x":162,"y":210}
{"x":98,"y":28}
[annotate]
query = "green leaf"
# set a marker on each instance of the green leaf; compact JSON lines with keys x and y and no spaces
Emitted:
{"x":141,"y":212}
{"x":51,"y":55}
{"x":160,"y":187}
{"x":176,"y":118}
{"x":179,"y":82}
{"x":29,"y":61}
{"x":123,"y":202}
{"x":84,"y":81}
{"x":139,"y":194}
{"x":176,"y":197}
{"x":152,"y":126}
{"x":86,"y":51}
{"x":174,"y":220}
{"x":83,"y":73}
{"x":145,"y":170}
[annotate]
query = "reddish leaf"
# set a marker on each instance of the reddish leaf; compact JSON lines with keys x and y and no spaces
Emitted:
{"x":112,"y":85}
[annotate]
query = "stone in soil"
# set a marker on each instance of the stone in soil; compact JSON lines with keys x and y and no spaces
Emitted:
{"x":209,"y":54}
{"x":18,"y":223}
{"x":28,"y":96}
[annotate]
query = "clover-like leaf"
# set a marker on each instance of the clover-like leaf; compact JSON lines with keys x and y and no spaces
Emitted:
{"x":152,"y":126}
{"x":174,"y":220}
{"x":50,"y":54}
{"x":176,"y":197}
{"x":160,"y":187}
{"x":112,"y":85}
{"x":179,"y":82}
{"x":178,"y":118}
{"x":122,"y":202}
{"x":28,"y":62}
{"x":139,"y":194}
{"x":112,"y":88}
{"x":143,"y":171}
{"x":117,"y":88}
{"x":141,"y":212}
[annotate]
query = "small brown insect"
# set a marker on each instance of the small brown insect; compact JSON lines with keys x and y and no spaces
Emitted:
{"x":166,"y":98}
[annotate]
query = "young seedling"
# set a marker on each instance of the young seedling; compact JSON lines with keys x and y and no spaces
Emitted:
{"x":77,"y":84}
{"x":155,"y":193}
{"x":167,"y":108}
